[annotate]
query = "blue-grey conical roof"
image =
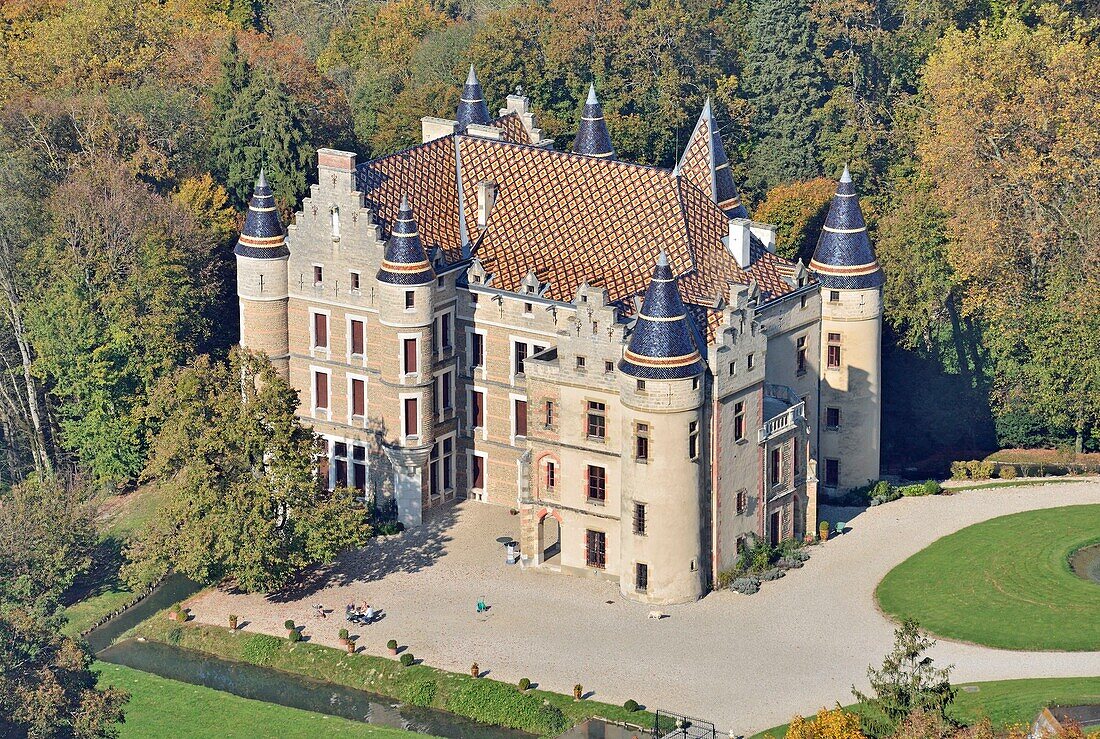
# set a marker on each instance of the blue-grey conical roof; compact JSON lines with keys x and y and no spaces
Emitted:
{"x":661,"y":344}
{"x":844,"y":259}
{"x":263,"y":235}
{"x":405,"y":262}
{"x":472,"y":107}
{"x":592,"y":137}
{"x":726,"y":194}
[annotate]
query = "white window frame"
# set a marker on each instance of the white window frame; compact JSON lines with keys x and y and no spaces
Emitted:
{"x":484,"y":430}
{"x":402,"y":397}
{"x":366,"y":401}
{"x":512,"y":398}
{"x":352,"y":445}
{"x":441,"y":350}
{"x":313,"y":349}
{"x":314,"y":370}
{"x":407,"y":377}
{"x":482,"y":368}
{"x":440,"y":379}
{"x":472,"y":492}
{"x":512,"y":341}
{"x":445,"y":489}
{"x":355,"y":358}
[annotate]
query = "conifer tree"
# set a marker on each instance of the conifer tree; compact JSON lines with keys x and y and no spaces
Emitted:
{"x":784,"y":83}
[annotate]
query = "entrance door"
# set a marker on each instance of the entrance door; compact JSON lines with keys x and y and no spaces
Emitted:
{"x":550,"y":540}
{"x":775,"y":530}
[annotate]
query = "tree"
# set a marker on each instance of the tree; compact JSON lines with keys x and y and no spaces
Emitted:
{"x":784,"y":83}
{"x":834,"y":723}
{"x":46,"y":688}
{"x":907,"y":681}
{"x":243,"y":500}
{"x":798,"y":210}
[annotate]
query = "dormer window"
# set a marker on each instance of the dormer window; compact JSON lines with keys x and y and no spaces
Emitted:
{"x":334,"y":216}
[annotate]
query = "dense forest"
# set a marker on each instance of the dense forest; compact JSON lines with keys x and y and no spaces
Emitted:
{"x":131,"y":132}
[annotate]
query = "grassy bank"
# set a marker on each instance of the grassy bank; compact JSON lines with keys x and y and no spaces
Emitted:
{"x":1004,"y":702}
{"x":161,"y":708}
{"x":1004,"y":583}
{"x":482,"y":699}
{"x":1028,"y":483}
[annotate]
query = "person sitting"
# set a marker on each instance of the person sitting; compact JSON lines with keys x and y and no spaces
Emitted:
{"x":368,"y":616}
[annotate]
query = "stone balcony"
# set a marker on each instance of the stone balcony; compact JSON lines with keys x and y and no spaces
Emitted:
{"x":783,"y":410}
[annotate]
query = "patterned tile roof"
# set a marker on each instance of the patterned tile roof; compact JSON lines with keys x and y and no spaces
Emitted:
{"x":592,"y":137}
{"x":404,"y":262}
{"x":512,"y":129}
{"x":705,"y":164}
{"x":471,"y":106}
{"x":263,"y":235}
{"x":661,"y":344}
{"x":569,"y":218}
{"x":844,"y":258}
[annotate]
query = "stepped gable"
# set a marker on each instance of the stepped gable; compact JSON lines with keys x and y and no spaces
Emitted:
{"x":568,"y":217}
{"x":704,"y":163}
{"x":471,"y":106}
{"x":661,"y":345}
{"x":592,"y":137}
{"x":263,"y":235}
{"x":844,"y":258}
{"x":404,"y":261}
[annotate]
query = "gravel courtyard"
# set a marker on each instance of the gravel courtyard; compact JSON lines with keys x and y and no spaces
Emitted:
{"x":744,"y":662}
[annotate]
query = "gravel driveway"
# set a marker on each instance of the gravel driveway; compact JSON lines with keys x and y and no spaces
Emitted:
{"x":744,"y":662}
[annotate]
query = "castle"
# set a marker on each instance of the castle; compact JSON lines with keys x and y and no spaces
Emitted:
{"x":613,"y":350}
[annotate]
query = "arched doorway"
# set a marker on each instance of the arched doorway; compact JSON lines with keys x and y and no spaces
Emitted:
{"x":550,"y":539}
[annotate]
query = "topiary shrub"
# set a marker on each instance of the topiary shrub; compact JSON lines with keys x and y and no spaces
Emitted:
{"x":288,"y":624}
{"x":294,"y":636}
{"x":419,"y":692}
{"x":524,"y":683}
{"x":959,"y":471}
{"x":258,"y":649}
{"x":931,"y":487}
{"x":774,"y":574}
{"x":631,"y":705}
{"x":407,"y":659}
{"x":344,"y":635}
{"x":746,"y":585}
{"x":823,"y":531}
{"x":985,"y":470}
{"x":392,"y":645}
{"x":1007,"y":472}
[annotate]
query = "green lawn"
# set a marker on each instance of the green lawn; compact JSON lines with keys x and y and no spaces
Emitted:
{"x":1004,"y":583}
{"x":1008,"y":484}
{"x":484,"y":699}
{"x":160,"y":707}
{"x":1006,"y":702}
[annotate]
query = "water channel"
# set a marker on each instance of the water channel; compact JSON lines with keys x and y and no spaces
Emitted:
{"x":266,"y":684}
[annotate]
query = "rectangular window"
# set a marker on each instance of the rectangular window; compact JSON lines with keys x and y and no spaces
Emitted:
{"x":320,"y":331}
{"x":597,"y":484}
{"x":641,"y":442}
{"x":477,"y":472}
{"x":742,"y":500}
{"x":444,"y":393}
{"x":521,"y":417}
{"x":832,"y":418}
{"x":526,"y":307}
{"x":775,"y":465}
{"x":595,"y":549}
{"x":639,"y":519}
{"x":358,"y":398}
{"x":749,"y":361}
{"x":640,"y":385}
{"x":641,"y":577}
{"x":433,"y":471}
{"x":340,"y":463}
{"x":320,"y":390}
{"x":596,"y":420}
{"x":354,"y":280}
{"x":834,"y":296}
{"x":802,"y":355}
{"x":693,"y":440}
{"x":318,"y":274}
{"x":549,"y":421}
{"x":445,"y":340}
{"x":358,"y":338}
{"x":834,"y":352}
{"x":477,"y":350}
{"x":410,"y":300}
{"x":412,"y":413}
{"x":733,"y":368}
{"x":832,"y":473}
{"x":477,"y":409}
{"x":580,"y":363}
{"x":448,"y":471}
{"x":609,"y":367}
{"x":551,"y":476}
{"x":520,"y":354}
{"x":410,"y":356}
{"x":359,"y":467}
{"x":739,"y":421}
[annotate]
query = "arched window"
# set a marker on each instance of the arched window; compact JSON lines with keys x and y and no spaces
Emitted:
{"x":335,"y":214}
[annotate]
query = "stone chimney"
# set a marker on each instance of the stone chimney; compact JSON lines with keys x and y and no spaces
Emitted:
{"x":486,"y":199}
{"x":739,"y":241}
{"x":766,"y":233}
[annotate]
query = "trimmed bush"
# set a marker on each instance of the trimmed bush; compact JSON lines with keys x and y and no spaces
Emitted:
{"x":1007,"y":472}
{"x":288,"y":624}
{"x":344,"y":634}
{"x":407,"y":659}
{"x":959,"y":471}
{"x":258,"y":649}
{"x":492,"y":702}
{"x":631,"y":705}
{"x":524,"y":683}
{"x":931,"y":487}
{"x":746,"y":585}
{"x":295,"y":636}
{"x":391,"y":644}
{"x":770,"y":575}
{"x":419,"y":692}
{"x":823,"y":530}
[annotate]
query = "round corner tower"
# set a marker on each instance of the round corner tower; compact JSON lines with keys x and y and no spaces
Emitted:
{"x":262,"y":288}
{"x":851,"y":346}
{"x":663,"y":474}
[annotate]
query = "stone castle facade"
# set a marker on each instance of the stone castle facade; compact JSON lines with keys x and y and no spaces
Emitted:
{"x":614,"y":350}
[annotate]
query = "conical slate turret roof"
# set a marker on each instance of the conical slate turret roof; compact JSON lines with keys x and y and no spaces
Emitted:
{"x":592,"y":137}
{"x":263,"y":235}
{"x":661,"y":345}
{"x":472,"y":107}
{"x":844,"y":258}
{"x":705,"y":164}
{"x":404,"y":262}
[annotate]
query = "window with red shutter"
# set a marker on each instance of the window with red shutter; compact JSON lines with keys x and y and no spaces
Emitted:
{"x":521,"y":418}
{"x":410,"y":356}
{"x":411,"y":417}
{"x":358,"y":398}
{"x":477,"y":408}
{"x":320,"y":331}
{"x":358,"y":338}
{"x":477,"y":472}
{"x":320,"y":388}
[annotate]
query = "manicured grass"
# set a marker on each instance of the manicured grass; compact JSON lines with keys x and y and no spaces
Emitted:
{"x":1004,"y":583}
{"x":1005,"y":702}
{"x":482,"y":699}
{"x":160,"y":707}
{"x":1007,"y":484}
